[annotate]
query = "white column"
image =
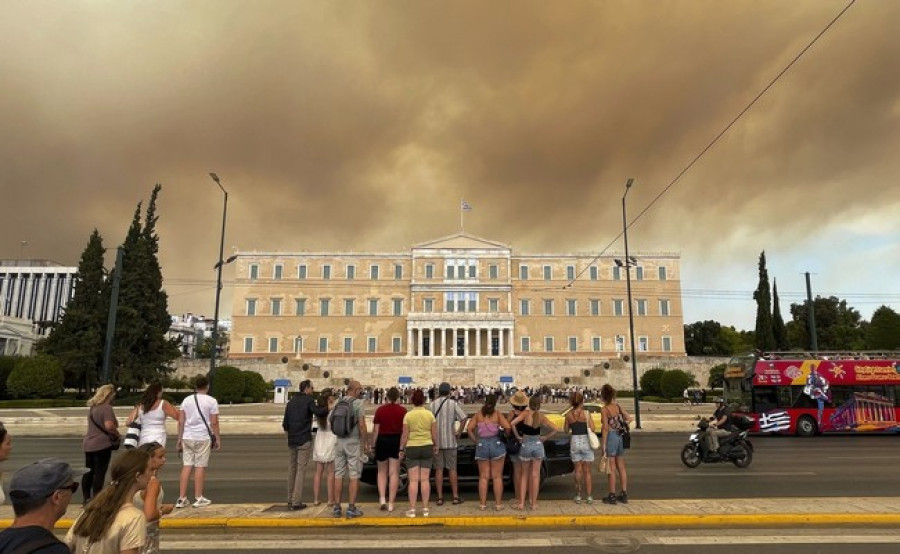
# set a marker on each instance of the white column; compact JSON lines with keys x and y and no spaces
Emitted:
{"x":478,"y":341}
{"x":432,"y":332}
{"x":500,"y":342}
{"x":512,"y":343}
{"x":420,"y":340}
{"x":409,"y":342}
{"x":466,"y":332}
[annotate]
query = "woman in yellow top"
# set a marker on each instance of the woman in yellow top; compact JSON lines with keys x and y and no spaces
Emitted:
{"x":418,"y":445}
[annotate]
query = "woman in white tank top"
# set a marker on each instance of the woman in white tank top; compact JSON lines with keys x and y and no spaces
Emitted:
{"x":152,"y":413}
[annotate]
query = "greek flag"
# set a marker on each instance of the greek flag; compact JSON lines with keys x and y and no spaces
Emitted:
{"x":770,"y":422}
{"x":464,"y":206}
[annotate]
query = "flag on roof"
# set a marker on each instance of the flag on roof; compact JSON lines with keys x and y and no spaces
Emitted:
{"x":465,"y":206}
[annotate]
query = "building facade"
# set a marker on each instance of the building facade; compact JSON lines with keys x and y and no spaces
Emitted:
{"x":35,"y":292}
{"x":459,"y":297}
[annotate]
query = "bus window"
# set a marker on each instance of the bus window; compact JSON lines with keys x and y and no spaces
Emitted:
{"x":764,"y":399}
{"x":784,"y":397}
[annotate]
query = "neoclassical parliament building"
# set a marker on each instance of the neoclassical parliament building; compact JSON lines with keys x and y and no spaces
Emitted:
{"x":456,"y":297}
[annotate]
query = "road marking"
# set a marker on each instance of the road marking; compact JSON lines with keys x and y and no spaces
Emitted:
{"x":775,"y":539}
{"x":304,"y":543}
{"x":749,"y":474}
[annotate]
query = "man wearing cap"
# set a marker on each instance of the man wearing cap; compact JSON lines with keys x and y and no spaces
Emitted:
{"x":40,"y":494}
{"x":447,"y":412}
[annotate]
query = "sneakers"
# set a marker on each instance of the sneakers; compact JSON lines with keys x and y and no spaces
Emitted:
{"x":337,"y":512}
{"x":623,"y":497}
{"x":578,"y":499}
{"x":182,"y":502}
{"x":201,"y":502}
{"x":609,"y":499}
{"x":353,"y":511}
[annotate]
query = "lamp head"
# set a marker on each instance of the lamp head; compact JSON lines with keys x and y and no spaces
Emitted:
{"x":215,"y":178}
{"x":629,"y":182}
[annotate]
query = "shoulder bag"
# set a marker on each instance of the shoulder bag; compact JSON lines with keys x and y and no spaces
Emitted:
{"x":212,"y":438}
{"x":115,"y":441}
{"x":133,"y":433}
{"x":623,"y":430}
{"x":593,"y":439}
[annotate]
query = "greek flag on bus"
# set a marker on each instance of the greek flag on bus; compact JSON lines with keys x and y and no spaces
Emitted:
{"x":770,"y":422}
{"x":464,"y":206}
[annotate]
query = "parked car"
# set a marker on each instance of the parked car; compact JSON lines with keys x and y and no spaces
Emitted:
{"x":593,"y":408}
{"x":557,"y":462}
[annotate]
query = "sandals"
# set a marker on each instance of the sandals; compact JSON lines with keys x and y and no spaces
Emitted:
{"x":498,"y":507}
{"x":482,"y":507}
{"x":425,"y":512}
{"x":410,"y":513}
{"x":457,"y":501}
{"x":517,"y":508}
{"x":440,"y":502}
{"x":383,"y":507}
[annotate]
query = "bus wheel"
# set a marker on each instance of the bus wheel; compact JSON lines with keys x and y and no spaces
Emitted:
{"x":806,"y":426}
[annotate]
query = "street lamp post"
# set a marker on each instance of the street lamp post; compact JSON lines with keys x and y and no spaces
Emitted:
{"x":628,"y":263}
{"x":215,"y":329}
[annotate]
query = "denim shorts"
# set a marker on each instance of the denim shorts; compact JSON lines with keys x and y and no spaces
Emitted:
{"x":491,"y":448}
{"x":580,"y":448}
{"x":532,"y":449}
{"x":614,"y":445}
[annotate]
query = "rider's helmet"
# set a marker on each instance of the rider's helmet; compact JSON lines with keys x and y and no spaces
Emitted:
{"x":720,"y":400}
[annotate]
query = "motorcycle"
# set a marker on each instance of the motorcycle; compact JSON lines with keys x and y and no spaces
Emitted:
{"x":735,"y":448}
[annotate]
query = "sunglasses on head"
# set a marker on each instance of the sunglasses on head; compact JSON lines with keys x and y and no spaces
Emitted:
{"x":73,"y":488}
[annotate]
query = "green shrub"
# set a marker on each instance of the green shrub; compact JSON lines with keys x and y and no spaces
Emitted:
{"x":716,"y":376}
{"x":674,"y":382}
{"x":650,"y":381}
{"x":254,"y":387}
{"x":36,"y":377}
{"x":228,"y":386}
{"x":7,"y":364}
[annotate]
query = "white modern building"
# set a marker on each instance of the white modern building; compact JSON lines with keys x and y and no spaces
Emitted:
{"x":33,"y":293}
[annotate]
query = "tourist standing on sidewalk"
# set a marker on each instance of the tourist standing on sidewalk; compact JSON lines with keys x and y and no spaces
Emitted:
{"x":5,"y":449}
{"x":297,"y":425}
{"x":532,"y":453}
{"x":386,"y":430}
{"x":578,"y":421}
{"x":150,"y":500}
{"x":152,"y":413}
{"x":198,"y":435}
{"x":447,"y":412}
{"x":112,"y":523}
{"x":615,"y":423}
{"x":490,"y":451}
{"x":323,"y":450}
{"x":519,"y":403}
{"x":419,"y":444}
{"x":102,"y":434}
{"x":40,"y":494}
{"x":348,"y":423}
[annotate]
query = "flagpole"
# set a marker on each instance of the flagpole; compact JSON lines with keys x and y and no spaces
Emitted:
{"x":462,"y":228}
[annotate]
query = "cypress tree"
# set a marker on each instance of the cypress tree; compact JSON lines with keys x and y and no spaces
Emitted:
{"x":779,"y":331}
{"x":765,"y":338}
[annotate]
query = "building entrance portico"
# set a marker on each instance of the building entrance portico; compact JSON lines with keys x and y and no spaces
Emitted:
{"x":480,"y":335}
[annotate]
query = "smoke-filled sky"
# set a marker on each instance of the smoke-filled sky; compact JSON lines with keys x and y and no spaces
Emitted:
{"x":352,"y":125}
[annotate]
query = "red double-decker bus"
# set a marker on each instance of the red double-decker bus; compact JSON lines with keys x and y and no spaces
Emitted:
{"x":818,"y":392}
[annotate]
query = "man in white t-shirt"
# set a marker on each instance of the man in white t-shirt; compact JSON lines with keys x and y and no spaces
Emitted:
{"x":198,"y":433}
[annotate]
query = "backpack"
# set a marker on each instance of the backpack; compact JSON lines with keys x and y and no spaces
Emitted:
{"x":342,"y":418}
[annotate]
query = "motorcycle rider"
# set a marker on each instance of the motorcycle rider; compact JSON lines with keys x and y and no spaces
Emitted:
{"x":719,"y":427}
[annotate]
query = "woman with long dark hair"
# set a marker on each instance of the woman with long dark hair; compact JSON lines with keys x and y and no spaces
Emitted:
{"x":615,"y":424}
{"x":152,"y":413}
{"x":386,"y":433}
{"x":323,"y":450}
{"x":527,"y":427}
{"x":490,"y":451}
{"x":102,"y":434}
{"x":579,"y":422}
{"x":111,"y":522}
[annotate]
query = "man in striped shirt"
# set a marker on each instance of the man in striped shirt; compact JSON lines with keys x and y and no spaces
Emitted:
{"x":447,"y":412}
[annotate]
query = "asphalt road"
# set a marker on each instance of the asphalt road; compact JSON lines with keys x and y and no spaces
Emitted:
{"x":252,"y":469}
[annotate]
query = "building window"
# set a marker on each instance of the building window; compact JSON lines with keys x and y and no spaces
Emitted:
{"x":371,"y":343}
{"x":473,"y":302}
{"x":351,"y":272}
{"x":643,"y":344}
{"x":326,"y":272}
{"x":460,"y":302}
{"x":298,"y":345}
{"x":617,"y":273}
{"x":373,"y":306}
{"x":254,"y":271}
{"x":493,"y":305}
{"x":573,"y":344}
{"x":548,"y":273}
{"x":396,"y":345}
{"x":523,"y":272}
{"x":667,"y":344}
{"x":301,"y":272}
{"x":663,"y":307}
{"x":494,"y":271}
{"x":251,"y":307}
{"x":348,"y":344}
{"x":641,"y":306}
{"x":620,"y":343}
{"x":548,"y":344}
{"x":279,"y":271}
{"x":428,"y":305}
{"x":323,"y":344}
{"x":639,"y":273}
{"x":323,"y":306}
{"x":248,"y":344}
{"x":526,"y":344}
{"x":276,"y":306}
{"x":461,"y":272}
{"x":618,"y":307}
{"x":398,"y":271}
{"x":525,"y":307}
{"x":348,"y":306}
{"x":595,"y":307}
{"x":451,"y":270}
{"x":397,"y":306}
{"x":570,"y":307}
{"x":273,"y":344}
{"x":300,"y":306}
{"x":472,"y":270}
{"x":570,"y":272}
{"x":373,"y":272}
{"x":449,"y":303}
{"x":593,"y":273}
{"x":662,"y":273}
{"x":548,"y":307}
{"x":429,"y":271}
{"x":596,"y":344}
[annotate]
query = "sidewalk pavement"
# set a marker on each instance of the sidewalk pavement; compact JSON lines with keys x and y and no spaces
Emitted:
{"x":728,"y":513}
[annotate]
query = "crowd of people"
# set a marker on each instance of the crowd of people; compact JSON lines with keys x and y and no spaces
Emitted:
{"x":478,"y":393}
